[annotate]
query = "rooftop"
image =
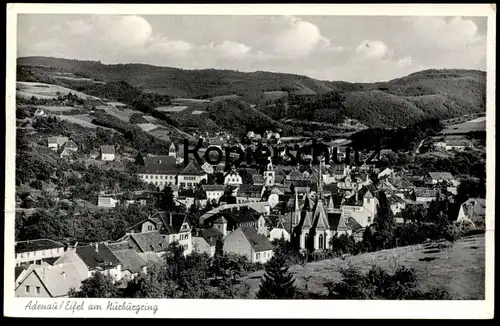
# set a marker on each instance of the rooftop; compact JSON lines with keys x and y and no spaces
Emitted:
{"x":38,"y":244}
{"x":258,"y":242}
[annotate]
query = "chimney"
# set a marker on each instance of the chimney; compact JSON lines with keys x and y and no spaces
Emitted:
{"x":96,"y":247}
{"x":64,"y":275}
{"x":170,"y":216}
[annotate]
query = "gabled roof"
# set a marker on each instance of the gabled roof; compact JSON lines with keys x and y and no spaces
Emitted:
{"x":57,"y":280}
{"x":172,"y":223}
{"x":319,"y":218}
{"x":258,"y":242}
{"x":257,"y":179}
{"x":150,"y":241}
{"x":249,"y":191}
{"x":35,"y":245}
{"x":192,"y":169}
{"x":162,"y":164}
{"x":107,"y":149}
{"x":130,"y":260}
{"x":102,"y":258}
{"x":151,"y":258}
{"x":424,"y":192}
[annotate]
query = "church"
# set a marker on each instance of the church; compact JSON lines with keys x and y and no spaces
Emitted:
{"x":316,"y":221}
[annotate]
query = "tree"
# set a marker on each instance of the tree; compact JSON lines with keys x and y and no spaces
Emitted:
{"x":149,"y":285}
{"x":277,"y":282}
{"x":167,"y":199}
{"x":384,"y":223}
{"x":139,"y":159}
{"x":96,"y":286}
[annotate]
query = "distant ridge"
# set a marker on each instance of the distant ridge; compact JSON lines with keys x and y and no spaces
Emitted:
{"x":440,"y":93}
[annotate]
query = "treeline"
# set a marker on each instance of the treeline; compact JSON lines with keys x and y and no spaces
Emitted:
{"x":69,"y":99}
{"x":72,"y":223}
{"x":400,"y":139}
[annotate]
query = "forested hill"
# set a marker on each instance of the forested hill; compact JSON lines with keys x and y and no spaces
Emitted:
{"x":432,"y":93}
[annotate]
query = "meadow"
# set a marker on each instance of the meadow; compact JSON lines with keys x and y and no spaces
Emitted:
{"x":460,"y":268}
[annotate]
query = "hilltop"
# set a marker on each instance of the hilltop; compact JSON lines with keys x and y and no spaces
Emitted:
{"x":442,"y":94}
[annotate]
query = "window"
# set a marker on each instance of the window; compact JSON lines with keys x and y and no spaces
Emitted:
{"x":150,"y":228}
{"x":257,"y":256}
{"x":320,"y":241}
{"x":37,"y":290}
{"x":22,"y":255}
{"x":368,"y":200}
{"x":27,"y":289}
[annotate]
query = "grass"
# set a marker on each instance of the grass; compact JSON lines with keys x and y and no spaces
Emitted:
{"x":47,"y":91}
{"x":56,"y":108}
{"x":478,"y":124}
{"x":81,"y":120}
{"x":147,"y":126}
{"x":171,"y":108}
{"x":460,"y":270}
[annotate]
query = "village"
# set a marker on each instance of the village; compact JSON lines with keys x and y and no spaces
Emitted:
{"x":242,"y":210}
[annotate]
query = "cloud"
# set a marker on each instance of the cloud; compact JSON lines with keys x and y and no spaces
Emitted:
{"x":451,"y":34}
{"x":365,"y":49}
{"x":294,"y":37}
{"x":372,"y":50}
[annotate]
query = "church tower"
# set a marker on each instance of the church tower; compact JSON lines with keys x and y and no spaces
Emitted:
{"x":172,"y":151}
{"x":269,"y":173}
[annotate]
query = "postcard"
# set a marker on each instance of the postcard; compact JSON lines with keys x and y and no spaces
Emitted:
{"x":250,"y":161}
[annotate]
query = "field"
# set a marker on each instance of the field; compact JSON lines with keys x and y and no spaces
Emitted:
{"x":147,"y":126}
{"x":478,"y":124}
{"x":81,"y":120}
{"x":56,"y":108}
{"x":47,"y":91}
{"x":119,"y":113}
{"x":460,"y":270}
{"x":171,"y":108}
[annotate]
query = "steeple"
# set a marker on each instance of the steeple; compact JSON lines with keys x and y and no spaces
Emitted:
{"x":296,"y":210}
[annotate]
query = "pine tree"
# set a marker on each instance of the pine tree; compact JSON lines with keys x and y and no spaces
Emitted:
{"x":384,"y":223}
{"x":277,"y":282}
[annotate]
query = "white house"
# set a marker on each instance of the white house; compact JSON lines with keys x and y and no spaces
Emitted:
{"x":233,"y":178}
{"x":107,"y":201}
{"x":36,"y":251}
{"x":247,"y":242}
{"x":159,"y":170}
{"x":55,"y":143}
{"x":191,"y":176}
{"x":107,"y":153}
{"x":213,"y":192}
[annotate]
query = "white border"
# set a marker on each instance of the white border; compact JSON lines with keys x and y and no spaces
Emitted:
{"x":174,"y":308}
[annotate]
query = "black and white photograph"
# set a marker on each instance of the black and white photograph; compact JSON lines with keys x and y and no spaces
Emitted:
{"x":262,"y":156}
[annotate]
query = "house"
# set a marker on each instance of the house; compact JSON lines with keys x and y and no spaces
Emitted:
{"x":233,"y":178}
{"x":49,"y":281}
{"x":174,"y":227}
{"x":150,"y":224}
{"x":362,"y":206}
{"x":234,"y":218}
{"x":205,"y":240}
{"x":93,"y":258}
{"x":36,"y":251}
{"x":247,"y":242}
{"x":71,"y":145}
{"x":213,"y":192}
{"x":40,"y":113}
{"x":55,"y":143}
{"x":281,"y":230}
{"x":453,"y":145}
{"x":107,"y":201}
{"x":434,"y":178}
{"x":94,"y":154}
{"x":249,"y":193}
{"x":473,"y":210}
{"x":191,"y":176}
{"x":425,"y":195}
{"x":159,"y":170}
{"x":132,"y":264}
{"x":107,"y":153}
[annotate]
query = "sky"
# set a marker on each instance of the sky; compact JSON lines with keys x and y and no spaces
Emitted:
{"x":348,"y":48}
